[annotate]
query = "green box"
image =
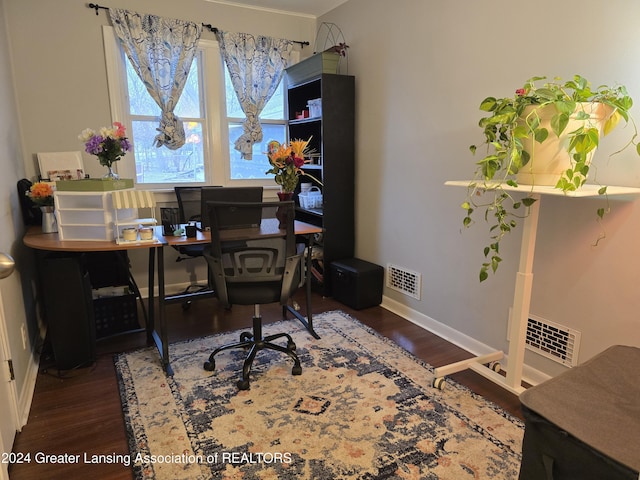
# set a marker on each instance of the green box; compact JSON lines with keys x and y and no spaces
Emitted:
{"x":324,"y":62}
{"x":94,"y":185}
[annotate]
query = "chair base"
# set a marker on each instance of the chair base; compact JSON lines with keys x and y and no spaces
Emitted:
{"x":191,"y":289}
{"x":256,"y":342}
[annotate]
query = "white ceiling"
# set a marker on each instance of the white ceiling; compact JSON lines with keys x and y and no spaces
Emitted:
{"x":314,"y":8}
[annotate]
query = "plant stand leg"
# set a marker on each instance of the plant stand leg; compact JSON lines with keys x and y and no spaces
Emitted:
{"x":519,"y":319}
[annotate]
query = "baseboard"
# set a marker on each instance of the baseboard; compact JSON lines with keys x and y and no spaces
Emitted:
{"x":171,"y":289}
{"x":530,"y":375}
{"x":25,"y":397}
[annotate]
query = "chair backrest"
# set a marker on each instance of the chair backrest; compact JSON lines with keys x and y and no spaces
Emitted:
{"x":189,"y":203}
{"x":231,"y":194}
{"x":257,"y":264}
{"x":30,"y":214}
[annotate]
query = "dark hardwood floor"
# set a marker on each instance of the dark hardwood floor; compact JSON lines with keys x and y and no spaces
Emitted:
{"x":79,"y":412}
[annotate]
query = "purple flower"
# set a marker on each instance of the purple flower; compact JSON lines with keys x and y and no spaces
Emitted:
{"x":94,"y":145}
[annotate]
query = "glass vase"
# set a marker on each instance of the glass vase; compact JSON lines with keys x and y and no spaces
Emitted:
{"x":111,"y":175}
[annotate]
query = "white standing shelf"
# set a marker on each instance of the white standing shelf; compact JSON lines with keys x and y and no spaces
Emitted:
{"x":487,"y":365}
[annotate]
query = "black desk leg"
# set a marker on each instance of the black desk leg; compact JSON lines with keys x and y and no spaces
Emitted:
{"x":308,"y":322}
{"x":151,"y":318}
{"x":161,"y":338}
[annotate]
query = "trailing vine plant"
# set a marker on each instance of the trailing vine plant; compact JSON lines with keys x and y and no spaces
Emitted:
{"x":512,"y":123}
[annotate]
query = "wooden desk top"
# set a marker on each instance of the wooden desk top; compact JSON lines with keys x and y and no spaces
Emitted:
{"x":34,"y":238}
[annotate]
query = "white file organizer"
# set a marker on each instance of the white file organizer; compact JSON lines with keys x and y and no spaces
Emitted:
{"x":126,"y":204}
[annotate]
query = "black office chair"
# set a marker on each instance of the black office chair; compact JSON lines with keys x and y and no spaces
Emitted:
{"x":265,"y":270}
{"x":31,"y":215}
{"x":189,"y":210}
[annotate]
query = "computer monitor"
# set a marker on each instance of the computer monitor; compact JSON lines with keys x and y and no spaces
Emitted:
{"x":246,"y":217}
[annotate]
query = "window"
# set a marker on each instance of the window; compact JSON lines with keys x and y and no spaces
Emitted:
{"x":273,"y":128}
{"x":212,"y":119}
{"x":161,"y":165}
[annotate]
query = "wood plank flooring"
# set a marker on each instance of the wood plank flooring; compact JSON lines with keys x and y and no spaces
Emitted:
{"x":80,"y":412}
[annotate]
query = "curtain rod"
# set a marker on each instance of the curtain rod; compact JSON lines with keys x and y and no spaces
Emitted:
{"x":97,"y":7}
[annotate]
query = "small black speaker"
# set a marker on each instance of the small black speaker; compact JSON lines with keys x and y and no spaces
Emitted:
{"x":68,"y":309}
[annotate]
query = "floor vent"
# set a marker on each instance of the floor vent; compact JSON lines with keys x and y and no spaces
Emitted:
{"x":404,"y":281}
{"x":554,"y":341}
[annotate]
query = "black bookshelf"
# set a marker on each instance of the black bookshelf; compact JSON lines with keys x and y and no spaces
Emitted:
{"x":333,"y":145}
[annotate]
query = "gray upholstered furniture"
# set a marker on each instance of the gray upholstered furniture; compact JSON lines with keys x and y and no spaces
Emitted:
{"x":585,"y":423}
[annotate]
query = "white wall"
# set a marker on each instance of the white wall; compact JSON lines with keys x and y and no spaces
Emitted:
{"x":422,"y":68}
{"x":18,"y":308}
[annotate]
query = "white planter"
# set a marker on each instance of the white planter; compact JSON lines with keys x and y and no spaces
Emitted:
{"x":550,"y":159}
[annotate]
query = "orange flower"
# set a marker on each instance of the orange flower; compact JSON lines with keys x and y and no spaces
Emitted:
{"x":41,"y":190}
{"x":41,"y":194}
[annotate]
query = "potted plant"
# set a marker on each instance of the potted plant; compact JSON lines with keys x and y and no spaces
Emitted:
{"x":517,"y":131}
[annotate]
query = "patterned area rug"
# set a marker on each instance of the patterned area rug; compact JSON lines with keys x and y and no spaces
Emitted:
{"x":363,"y":408}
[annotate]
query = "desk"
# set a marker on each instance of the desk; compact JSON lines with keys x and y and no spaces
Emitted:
{"x":523,"y":285}
{"x":158,"y":333}
{"x":50,"y":242}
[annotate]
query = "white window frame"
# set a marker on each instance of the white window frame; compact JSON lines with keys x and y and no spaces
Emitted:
{"x":216,"y":148}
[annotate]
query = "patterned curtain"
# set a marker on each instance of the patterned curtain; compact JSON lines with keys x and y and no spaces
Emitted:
{"x":161,"y":51}
{"x":256,"y":65}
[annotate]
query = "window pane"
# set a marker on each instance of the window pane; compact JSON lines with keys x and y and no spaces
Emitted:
{"x":161,"y":165}
{"x":273,"y":110}
{"x":142,"y":103}
{"x":189,"y":103}
{"x":255,"y":168}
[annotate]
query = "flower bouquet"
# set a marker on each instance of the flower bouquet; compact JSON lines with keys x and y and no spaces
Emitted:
{"x":287,"y":162}
{"x":41,"y":194}
{"x":109,"y":145}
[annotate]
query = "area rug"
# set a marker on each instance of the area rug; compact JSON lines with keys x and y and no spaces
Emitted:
{"x":363,"y":408}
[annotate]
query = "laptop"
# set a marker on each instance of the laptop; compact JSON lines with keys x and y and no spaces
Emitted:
{"x":245,"y":217}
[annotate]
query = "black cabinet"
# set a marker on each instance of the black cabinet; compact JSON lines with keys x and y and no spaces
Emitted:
{"x":75,"y":319}
{"x":68,"y":309}
{"x":332,"y":133}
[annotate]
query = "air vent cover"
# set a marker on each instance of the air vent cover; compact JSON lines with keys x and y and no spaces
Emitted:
{"x":554,"y":341}
{"x":404,"y":281}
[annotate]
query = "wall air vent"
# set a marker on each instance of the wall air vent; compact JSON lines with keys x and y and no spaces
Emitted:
{"x":554,"y":341}
{"x":404,"y":281}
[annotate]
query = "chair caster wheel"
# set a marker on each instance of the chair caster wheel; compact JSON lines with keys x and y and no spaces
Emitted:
{"x":186,"y":305}
{"x":296,"y":370}
{"x":439,"y":383}
{"x":245,"y":336}
{"x":291,"y":346}
{"x":495,"y":366}
{"x":210,"y":365}
{"x":243,"y":384}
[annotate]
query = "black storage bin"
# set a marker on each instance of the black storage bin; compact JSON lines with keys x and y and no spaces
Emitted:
{"x":357,"y":283}
{"x":584,"y":423}
{"x":115,"y":315}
